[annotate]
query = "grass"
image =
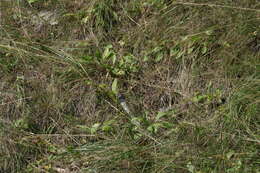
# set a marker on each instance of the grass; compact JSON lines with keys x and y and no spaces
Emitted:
{"x":189,"y":72}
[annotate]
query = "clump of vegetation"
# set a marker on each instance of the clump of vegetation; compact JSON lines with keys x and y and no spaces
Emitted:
{"x":189,"y":72}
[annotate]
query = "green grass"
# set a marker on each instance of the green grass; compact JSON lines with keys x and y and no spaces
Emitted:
{"x":189,"y":72}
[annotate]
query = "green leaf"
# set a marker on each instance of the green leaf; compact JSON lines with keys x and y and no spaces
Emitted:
{"x":209,"y":32}
{"x":150,"y":128}
{"x":191,"y":167}
{"x":137,"y":136}
{"x":154,"y":127}
{"x":190,"y":50}
{"x":159,"y":57}
{"x":226,"y":44}
{"x":185,"y":38}
{"x":114,"y":86}
{"x":84,"y":128}
{"x":107,"y":53}
{"x":85,"y":19}
{"x":94,"y":128}
{"x":180,"y":54}
{"x":156,"y":49}
{"x":196,"y":38}
{"x":21,"y":123}
{"x":107,"y":127}
{"x":128,"y":59}
{"x":118,"y":72}
{"x":160,"y":115}
{"x":32,"y":1}
{"x":175,"y":50}
{"x":146,"y":58}
{"x":113,"y":59}
{"x":167,"y":125}
{"x":199,"y":98}
{"x":204,"y":49}
{"x":136,"y":121}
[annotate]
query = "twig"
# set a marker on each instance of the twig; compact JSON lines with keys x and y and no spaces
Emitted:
{"x":252,"y":140}
{"x":130,"y":17}
{"x":215,"y":5}
{"x":66,"y":133}
{"x":63,"y":135}
{"x":3,"y":104}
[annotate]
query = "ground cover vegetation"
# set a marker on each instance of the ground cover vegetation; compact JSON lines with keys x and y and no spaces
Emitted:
{"x":189,"y":72}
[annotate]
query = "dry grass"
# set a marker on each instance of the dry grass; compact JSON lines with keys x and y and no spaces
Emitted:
{"x":189,"y":72}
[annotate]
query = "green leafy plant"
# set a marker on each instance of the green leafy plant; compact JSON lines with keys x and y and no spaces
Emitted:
{"x":115,"y":65}
{"x":108,"y":126}
{"x":159,"y":123}
{"x":192,"y":44}
{"x":92,"y":130}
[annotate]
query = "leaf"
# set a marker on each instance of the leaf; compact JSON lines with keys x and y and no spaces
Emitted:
{"x":191,"y":167}
{"x":167,"y":125}
{"x":196,"y":38}
{"x":185,"y":38}
{"x":204,"y":49}
{"x":109,"y":46}
{"x":113,"y":59}
{"x":165,"y":113}
{"x":121,"y":43}
{"x":179,"y":54}
{"x":21,"y":123}
{"x":175,"y":50}
{"x":154,"y":127}
{"x":150,"y":128}
{"x":47,"y":167}
{"x":190,"y":50}
{"x":156,"y":49}
{"x":226,"y":44}
{"x":114,"y":86}
{"x":137,"y":136}
{"x":209,"y":32}
{"x":84,"y":128}
{"x":85,"y":19}
{"x":159,"y":57}
{"x":136,"y":121}
{"x":32,"y":1}
{"x":108,"y":126}
{"x":230,"y":154}
{"x":146,"y":58}
{"x":160,"y":115}
{"x":128,"y":59}
{"x":118,"y":72}
{"x":94,"y":128}
{"x":107,"y":52}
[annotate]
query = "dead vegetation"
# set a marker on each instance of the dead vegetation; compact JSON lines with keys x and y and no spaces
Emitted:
{"x":189,"y":72}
